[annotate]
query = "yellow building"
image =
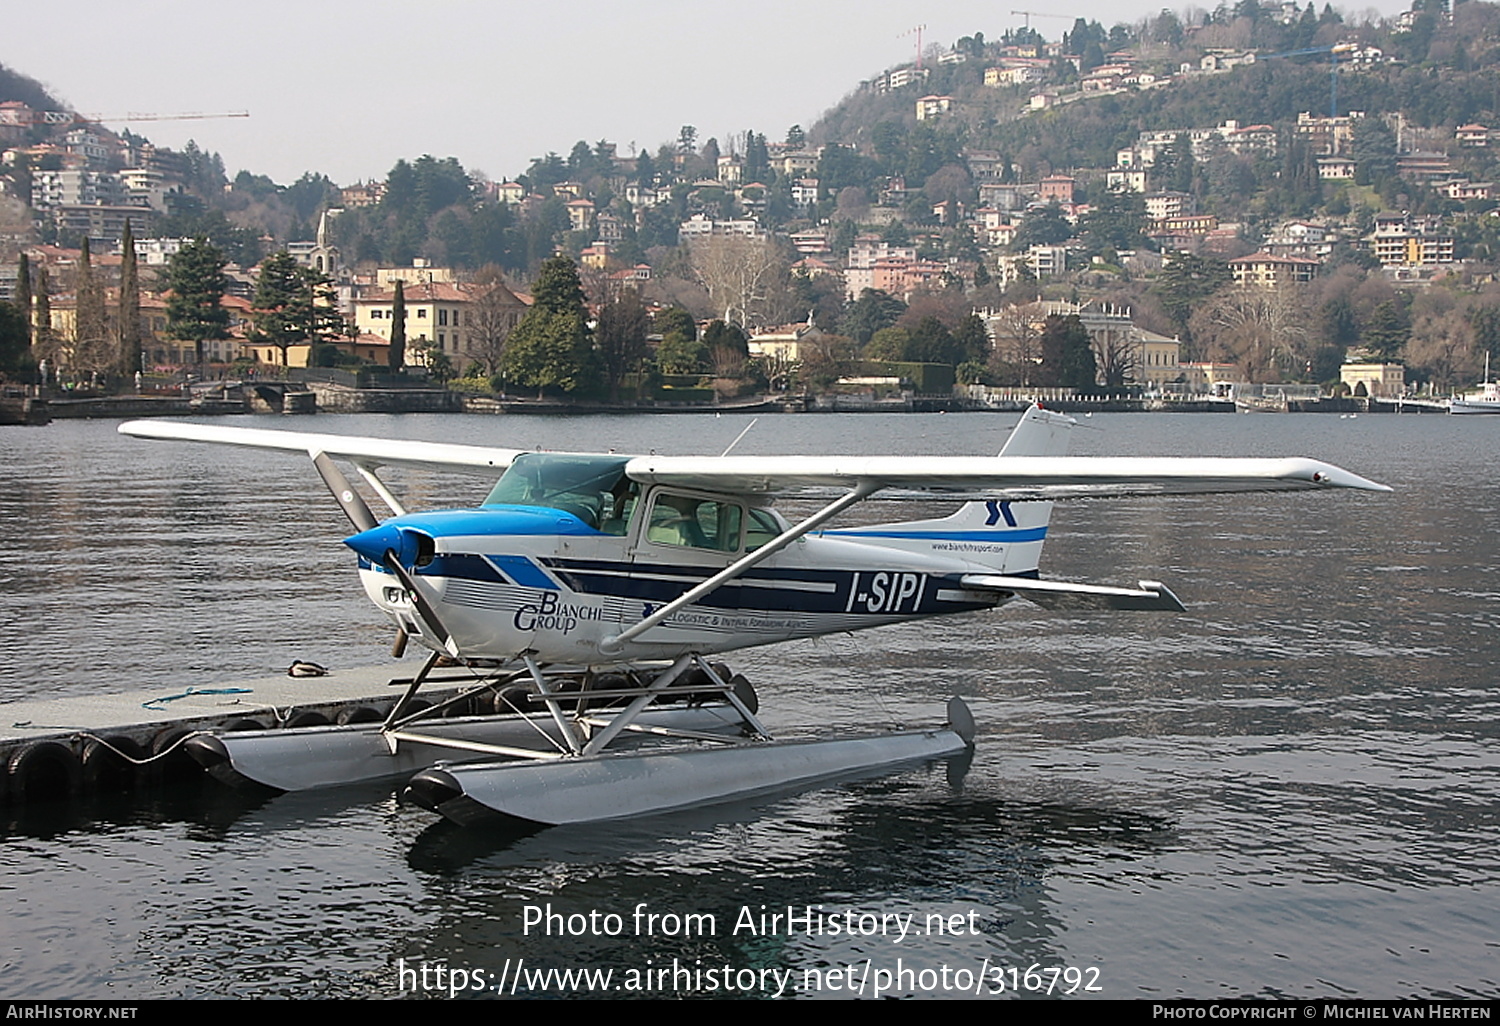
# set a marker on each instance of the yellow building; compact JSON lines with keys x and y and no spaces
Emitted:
{"x":1268,"y":271}
{"x":1374,"y":379}
{"x":444,"y":317}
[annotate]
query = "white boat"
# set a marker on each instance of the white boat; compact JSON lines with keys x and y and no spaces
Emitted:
{"x":1486,"y":400}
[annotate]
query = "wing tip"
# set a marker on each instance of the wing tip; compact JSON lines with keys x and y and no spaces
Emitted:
{"x":1329,"y":476}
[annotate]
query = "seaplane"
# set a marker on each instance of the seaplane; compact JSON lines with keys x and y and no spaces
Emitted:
{"x":587,"y":594}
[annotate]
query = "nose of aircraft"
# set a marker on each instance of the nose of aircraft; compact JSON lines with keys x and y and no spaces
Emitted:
{"x":412,"y":547}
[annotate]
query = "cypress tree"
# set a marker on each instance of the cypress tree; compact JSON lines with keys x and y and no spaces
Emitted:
{"x":23,"y":292}
{"x":90,"y":335}
{"x":42,"y":343}
{"x":397,"y":356}
{"x":128,"y":320}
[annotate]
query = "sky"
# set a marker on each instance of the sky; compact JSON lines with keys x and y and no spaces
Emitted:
{"x":347,"y":89}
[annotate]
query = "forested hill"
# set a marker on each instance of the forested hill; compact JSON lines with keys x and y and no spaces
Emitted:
{"x":15,"y":86}
{"x":1439,"y":73}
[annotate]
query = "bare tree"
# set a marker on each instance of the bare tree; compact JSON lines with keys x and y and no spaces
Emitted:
{"x":1264,"y":331}
{"x":1118,"y":354}
{"x":493,"y":315}
{"x":92,"y":349}
{"x":825,"y":359}
{"x":742,"y":276}
{"x":1442,"y":347}
{"x":1016,"y":333}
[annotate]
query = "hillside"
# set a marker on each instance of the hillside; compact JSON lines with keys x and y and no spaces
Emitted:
{"x":1138,"y":168}
{"x":16,"y":87}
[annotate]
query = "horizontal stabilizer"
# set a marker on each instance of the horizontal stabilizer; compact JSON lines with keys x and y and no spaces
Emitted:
{"x":1151,"y":595}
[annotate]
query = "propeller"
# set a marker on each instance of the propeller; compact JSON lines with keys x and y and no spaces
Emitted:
{"x":359,"y":514}
{"x":425,"y":612}
{"x":350,"y":501}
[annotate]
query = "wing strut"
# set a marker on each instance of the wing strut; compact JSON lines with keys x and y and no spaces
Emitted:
{"x":863,"y":490}
{"x":368,"y":473}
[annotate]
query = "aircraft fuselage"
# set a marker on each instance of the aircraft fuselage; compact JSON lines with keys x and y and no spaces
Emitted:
{"x":508,"y":580}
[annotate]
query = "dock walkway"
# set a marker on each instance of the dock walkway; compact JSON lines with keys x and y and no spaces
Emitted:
{"x":271,"y":698}
{"x":53,"y":748}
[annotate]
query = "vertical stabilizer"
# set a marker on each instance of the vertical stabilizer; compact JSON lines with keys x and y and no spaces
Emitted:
{"x":1039,"y":432}
{"x":1004,"y":537}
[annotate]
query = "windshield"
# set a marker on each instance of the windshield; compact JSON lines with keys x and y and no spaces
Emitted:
{"x":592,"y":488}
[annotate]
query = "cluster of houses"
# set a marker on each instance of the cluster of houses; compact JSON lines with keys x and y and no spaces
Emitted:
{"x":95,"y":181}
{"x":466,"y":322}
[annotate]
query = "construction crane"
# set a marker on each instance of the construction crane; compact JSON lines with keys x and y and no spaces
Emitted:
{"x":917,"y":31}
{"x":1042,"y":14}
{"x":25,"y":117}
{"x":1333,"y":67}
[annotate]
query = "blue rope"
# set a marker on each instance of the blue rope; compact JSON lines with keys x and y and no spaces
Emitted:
{"x":191,"y":693}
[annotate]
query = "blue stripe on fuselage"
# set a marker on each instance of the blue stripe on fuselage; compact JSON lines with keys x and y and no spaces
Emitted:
{"x":524,"y":572}
{"x":1024,"y":534}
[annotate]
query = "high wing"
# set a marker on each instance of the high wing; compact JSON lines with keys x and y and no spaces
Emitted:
{"x":1011,"y":478}
{"x":366,"y":453}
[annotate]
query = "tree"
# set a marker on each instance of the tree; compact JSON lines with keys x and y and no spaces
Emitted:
{"x":23,"y":293}
{"x":1387,"y":329}
{"x":740,"y":275}
{"x":91,"y":350}
{"x":128,"y":318}
{"x":396,"y":357}
{"x":1017,"y":347}
{"x":890,"y":343}
{"x":932,"y":342}
{"x":1185,"y":283}
{"x":1117,"y":221}
{"x":972,"y":339}
{"x":873,"y":310}
{"x":757,"y":158}
{"x":1442,"y":348}
{"x":825,"y":359}
{"x":15,"y":341}
{"x":492,"y":317}
{"x":1265,"y":331}
{"x":621,"y":336}
{"x":1044,"y":227}
{"x":557,"y":288}
{"x":195,"y":312}
{"x":43,"y":340}
{"x":1067,"y":354}
{"x":551,"y":347}
{"x":293,"y":305}
{"x":681,"y":353}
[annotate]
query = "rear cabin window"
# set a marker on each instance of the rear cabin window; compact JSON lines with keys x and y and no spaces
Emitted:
{"x":763,"y":528}
{"x":695,"y":523}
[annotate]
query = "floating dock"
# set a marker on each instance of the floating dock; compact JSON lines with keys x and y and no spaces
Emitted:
{"x":55,"y":748}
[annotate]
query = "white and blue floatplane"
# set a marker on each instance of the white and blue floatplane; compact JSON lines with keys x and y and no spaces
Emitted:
{"x":587,"y":592}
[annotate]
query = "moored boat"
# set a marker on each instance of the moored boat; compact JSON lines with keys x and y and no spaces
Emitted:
{"x":1486,"y":400}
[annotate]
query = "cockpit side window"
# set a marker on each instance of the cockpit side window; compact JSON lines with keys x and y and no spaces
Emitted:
{"x":695,"y":523}
{"x":623,"y":498}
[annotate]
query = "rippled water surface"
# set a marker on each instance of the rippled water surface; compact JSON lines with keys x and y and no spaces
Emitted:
{"x":1292,"y":789}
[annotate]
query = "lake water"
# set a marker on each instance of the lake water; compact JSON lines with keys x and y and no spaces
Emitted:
{"x":1291,"y":790}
